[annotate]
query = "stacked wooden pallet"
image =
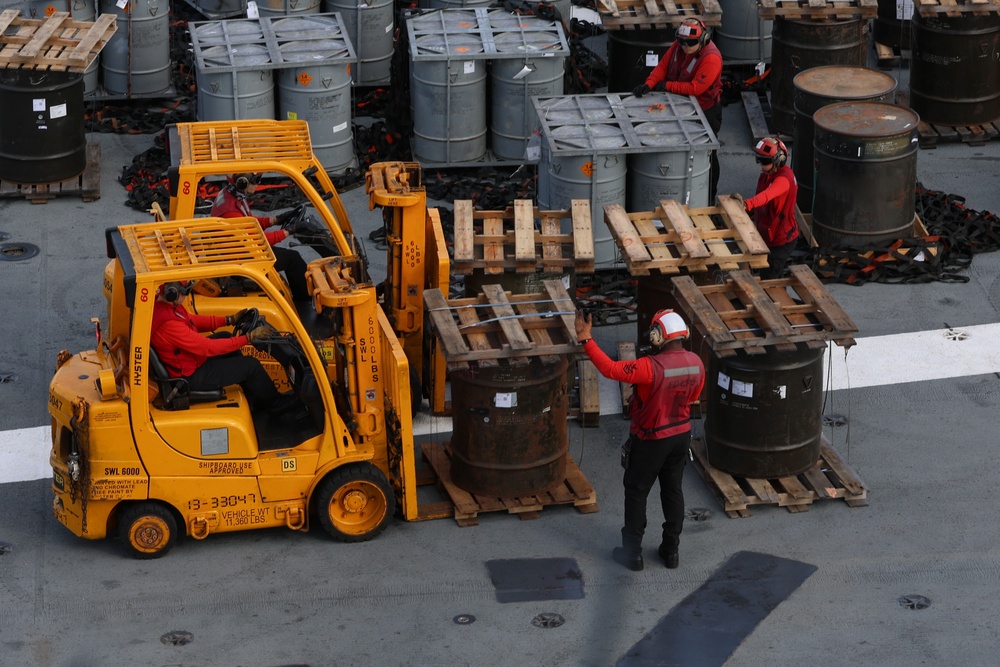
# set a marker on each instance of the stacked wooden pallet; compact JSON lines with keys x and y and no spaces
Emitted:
{"x":56,"y":43}
{"x":817,"y":9}
{"x":656,"y":14}
{"x":498,"y":325}
{"x":749,"y":314}
{"x":674,"y":237}
{"x":523,"y":239}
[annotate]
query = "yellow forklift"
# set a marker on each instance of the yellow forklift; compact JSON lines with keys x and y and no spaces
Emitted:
{"x":137,"y":453}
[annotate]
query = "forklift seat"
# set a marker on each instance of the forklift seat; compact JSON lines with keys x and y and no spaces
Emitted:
{"x":175,"y":392}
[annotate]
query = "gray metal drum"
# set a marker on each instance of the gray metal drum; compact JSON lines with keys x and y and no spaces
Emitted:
{"x":764,"y":414}
{"x":278,"y":8}
{"x":448,"y":100}
{"x":371,"y":27}
{"x":228,"y":94}
{"x":601,"y":179}
{"x":515,"y":81}
{"x":866,"y":173}
{"x":743,"y":37}
{"x":819,"y":87}
{"x":954,"y":69}
{"x":136,"y":60}
{"x":682,"y":175}
{"x":319,"y":91}
{"x":801,"y":45}
{"x":509,"y":434}
{"x":632,"y":55}
{"x":42,"y":138}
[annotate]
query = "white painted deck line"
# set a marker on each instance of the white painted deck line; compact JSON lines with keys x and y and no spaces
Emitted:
{"x":872,"y":362}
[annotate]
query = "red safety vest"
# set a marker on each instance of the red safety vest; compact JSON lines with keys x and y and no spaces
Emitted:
{"x":776,"y":219}
{"x":678,"y":376}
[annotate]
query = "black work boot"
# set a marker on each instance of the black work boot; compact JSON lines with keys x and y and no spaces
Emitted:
{"x":630,"y":559}
{"x":670,"y":557}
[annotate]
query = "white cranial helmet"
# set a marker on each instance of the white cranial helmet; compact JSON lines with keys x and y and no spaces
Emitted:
{"x":671,"y":325}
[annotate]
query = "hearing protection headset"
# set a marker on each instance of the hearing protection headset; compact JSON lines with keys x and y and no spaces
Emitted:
{"x":173,"y":290}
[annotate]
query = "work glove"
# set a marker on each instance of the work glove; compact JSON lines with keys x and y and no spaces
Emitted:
{"x":261,"y":334}
{"x":640,"y":90}
{"x":738,"y":197}
{"x":233,"y":319}
{"x":660,"y":87}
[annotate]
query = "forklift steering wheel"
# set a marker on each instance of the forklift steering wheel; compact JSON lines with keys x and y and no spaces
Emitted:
{"x":247,"y":322}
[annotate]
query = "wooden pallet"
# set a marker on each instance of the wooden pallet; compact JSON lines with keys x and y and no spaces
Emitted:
{"x":86,"y":185}
{"x":656,"y":14}
{"x":674,"y":237}
{"x":955,"y":7}
{"x":829,"y":479}
{"x":574,"y":490}
{"x":523,"y":239}
{"x":749,"y":314}
{"x":498,"y":325}
{"x":817,"y":9}
{"x":890,"y":57}
{"x":929,"y":135}
{"x":54,"y":43}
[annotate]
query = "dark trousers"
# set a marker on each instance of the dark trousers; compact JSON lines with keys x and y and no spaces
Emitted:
{"x":293,"y":265}
{"x":777,"y":260}
{"x":227,"y":369}
{"x":653,"y":460}
{"x":714,"y":117}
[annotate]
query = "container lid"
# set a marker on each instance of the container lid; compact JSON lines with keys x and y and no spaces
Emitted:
{"x":451,"y":22}
{"x":678,"y":134}
{"x":501,"y":19}
{"x":528,"y":42}
{"x":866,"y":119}
{"x":461,"y":44}
{"x":236,"y":32}
{"x":314,"y":50}
{"x":306,"y":27}
{"x":659,"y":107}
{"x":575,"y":109}
{"x":842,"y":82}
{"x":239,"y":55}
{"x":600,"y":136}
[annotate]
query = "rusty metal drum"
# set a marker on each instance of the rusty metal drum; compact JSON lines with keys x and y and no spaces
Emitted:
{"x":866,"y":173}
{"x":509,"y":428}
{"x":819,"y":87}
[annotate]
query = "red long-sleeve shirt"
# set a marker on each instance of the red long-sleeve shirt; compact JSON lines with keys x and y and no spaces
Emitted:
{"x":178,"y":342}
{"x":229,"y":204}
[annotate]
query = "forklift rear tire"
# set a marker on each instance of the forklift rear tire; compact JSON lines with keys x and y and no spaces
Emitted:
{"x":355,"y":502}
{"x":147,"y":530}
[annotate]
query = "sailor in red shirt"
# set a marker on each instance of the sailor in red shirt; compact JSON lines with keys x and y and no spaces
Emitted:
{"x":209,"y":362}
{"x":773,"y":207}
{"x":233,"y":202}
{"x":692,"y":66}
{"x":665,"y":384}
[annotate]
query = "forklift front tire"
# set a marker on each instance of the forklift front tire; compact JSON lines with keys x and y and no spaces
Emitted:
{"x":147,"y":530}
